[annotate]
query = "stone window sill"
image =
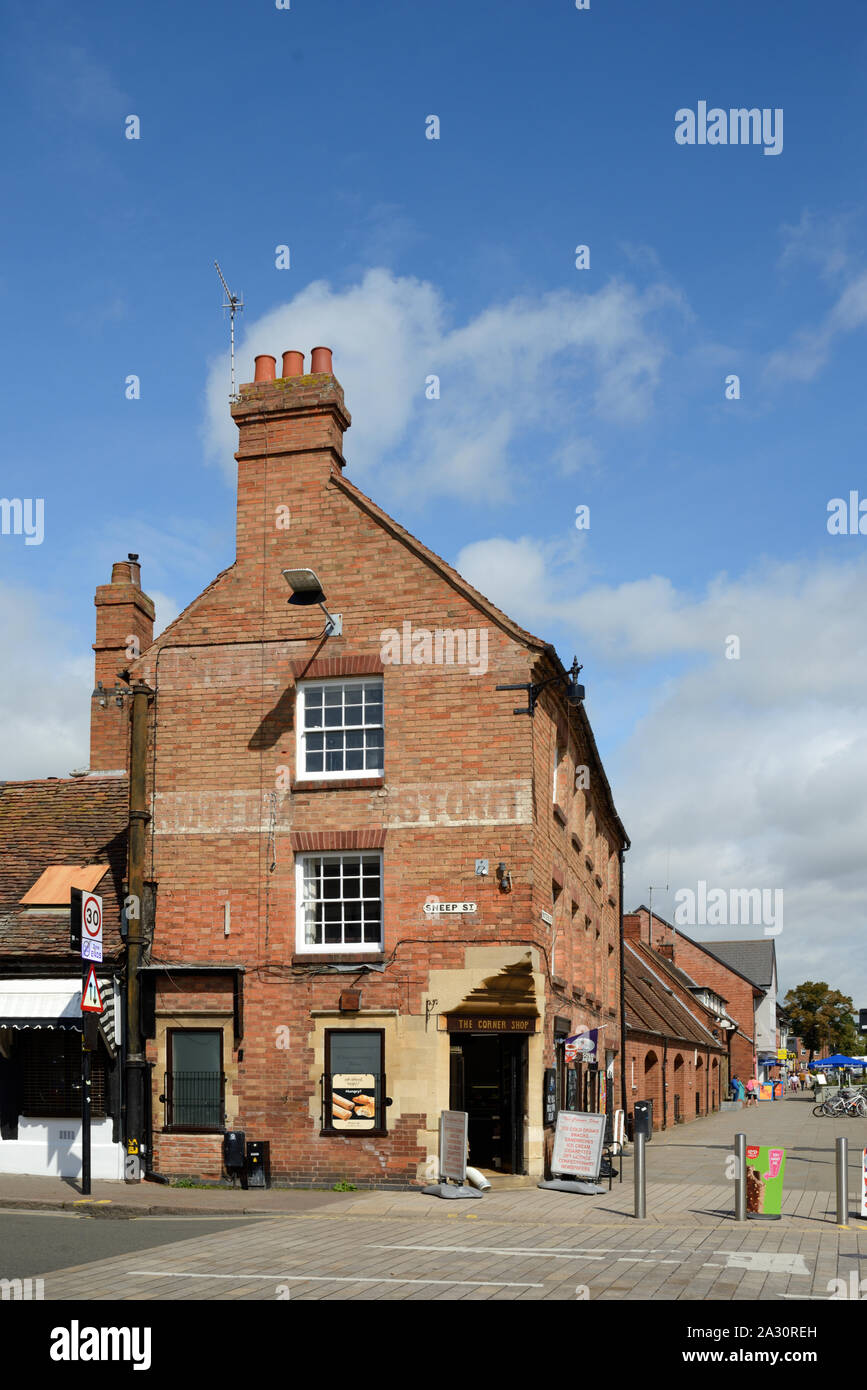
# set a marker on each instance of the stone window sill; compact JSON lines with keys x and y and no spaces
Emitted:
{"x":338,"y":958}
{"x":334,"y":784}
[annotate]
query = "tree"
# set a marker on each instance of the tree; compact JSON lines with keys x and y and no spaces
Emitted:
{"x":823,"y":1017}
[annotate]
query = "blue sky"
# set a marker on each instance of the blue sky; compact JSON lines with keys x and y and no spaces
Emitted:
{"x":560,"y":387}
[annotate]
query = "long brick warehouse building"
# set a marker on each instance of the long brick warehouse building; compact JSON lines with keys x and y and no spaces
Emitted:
{"x":374,"y":889}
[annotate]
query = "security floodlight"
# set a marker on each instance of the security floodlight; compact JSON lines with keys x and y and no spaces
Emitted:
{"x":307,"y":591}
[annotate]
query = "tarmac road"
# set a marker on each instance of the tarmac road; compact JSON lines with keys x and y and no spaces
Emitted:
{"x":31,"y":1243}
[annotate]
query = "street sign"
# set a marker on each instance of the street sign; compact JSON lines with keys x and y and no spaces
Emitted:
{"x":91,"y":927}
{"x":448,"y":909}
{"x":91,"y":999}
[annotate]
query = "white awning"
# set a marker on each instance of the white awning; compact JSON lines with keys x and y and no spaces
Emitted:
{"x":40,"y":1003}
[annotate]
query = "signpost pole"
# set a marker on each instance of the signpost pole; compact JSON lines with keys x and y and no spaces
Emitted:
{"x":640,"y":1176}
{"x":740,"y":1177}
{"x":91,"y":1004}
{"x":85,"y":1113}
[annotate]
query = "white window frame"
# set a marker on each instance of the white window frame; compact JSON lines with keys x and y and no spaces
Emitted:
{"x":559,"y":758}
{"x":302,"y":945}
{"x":302,"y":773}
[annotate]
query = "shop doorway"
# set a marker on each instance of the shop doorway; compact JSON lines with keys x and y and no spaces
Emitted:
{"x":488,"y":1081}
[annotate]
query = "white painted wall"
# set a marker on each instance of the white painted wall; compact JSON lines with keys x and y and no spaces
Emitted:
{"x":40,"y":1151}
{"x":766,"y":1019}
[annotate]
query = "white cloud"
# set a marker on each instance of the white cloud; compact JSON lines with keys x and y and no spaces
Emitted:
{"x":166,"y":610}
{"x":516,"y":367}
{"x":744,"y":773}
{"x":811,"y":348}
{"x":818,"y":240}
{"x":44,"y":691}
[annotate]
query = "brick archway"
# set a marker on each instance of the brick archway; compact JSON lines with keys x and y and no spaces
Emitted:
{"x":653,"y":1086}
{"x":677,"y":1089}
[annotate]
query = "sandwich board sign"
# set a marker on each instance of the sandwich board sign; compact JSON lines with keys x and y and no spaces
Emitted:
{"x":91,"y":999}
{"x":453,"y":1144}
{"x":766,"y":1168}
{"x":91,"y":927}
{"x":578,"y":1144}
{"x":864,"y":1182}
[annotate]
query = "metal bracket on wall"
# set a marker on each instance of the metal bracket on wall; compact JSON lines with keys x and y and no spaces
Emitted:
{"x":574,"y":691}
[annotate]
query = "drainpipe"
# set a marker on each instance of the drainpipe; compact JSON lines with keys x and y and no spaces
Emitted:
{"x":136,"y":1066}
{"x":664,"y":1082}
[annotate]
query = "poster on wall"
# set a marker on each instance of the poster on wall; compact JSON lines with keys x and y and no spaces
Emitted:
{"x":766,"y":1168}
{"x":550,"y":1095}
{"x":353,"y":1101}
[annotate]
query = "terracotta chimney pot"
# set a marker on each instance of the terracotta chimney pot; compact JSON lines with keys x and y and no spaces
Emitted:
{"x":320,"y":361}
{"x":266,"y":368}
{"x":293,"y":363}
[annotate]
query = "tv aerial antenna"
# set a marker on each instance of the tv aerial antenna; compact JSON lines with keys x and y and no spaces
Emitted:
{"x":234,"y":302}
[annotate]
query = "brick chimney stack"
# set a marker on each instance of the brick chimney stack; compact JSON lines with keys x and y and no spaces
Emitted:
{"x":290,"y":442}
{"x":124,"y":629}
{"x":637,"y":927}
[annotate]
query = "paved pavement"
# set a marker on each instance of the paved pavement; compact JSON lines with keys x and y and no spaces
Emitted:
{"x":525,"y":1243}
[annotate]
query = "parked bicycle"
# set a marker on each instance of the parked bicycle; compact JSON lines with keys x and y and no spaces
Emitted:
{"x":843,"y":1105}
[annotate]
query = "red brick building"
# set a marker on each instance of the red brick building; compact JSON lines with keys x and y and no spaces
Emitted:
{"x":380,"y":891}
{"x":58,"y":833}
{"x":675,"y":1046}
{"x":739,"y":996}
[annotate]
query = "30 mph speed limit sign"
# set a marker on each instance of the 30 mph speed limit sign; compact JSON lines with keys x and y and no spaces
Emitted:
{"x":91,"y":927}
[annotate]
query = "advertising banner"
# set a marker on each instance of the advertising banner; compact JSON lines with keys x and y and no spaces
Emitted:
{"x":582,"y":1047}
{"x":765,"y":1171}
{"x":578,"y":1142}
{"x":353,"y":1102}
{"x":771,"y":1090}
